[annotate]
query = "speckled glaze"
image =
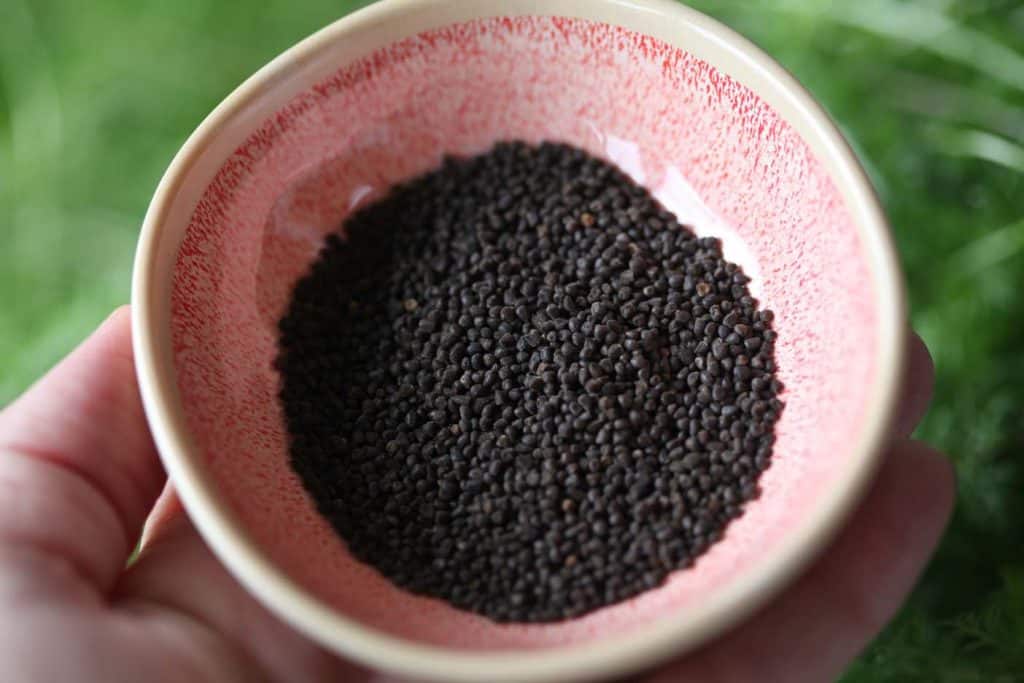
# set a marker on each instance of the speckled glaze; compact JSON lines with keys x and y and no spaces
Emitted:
{"x":713,"y":149}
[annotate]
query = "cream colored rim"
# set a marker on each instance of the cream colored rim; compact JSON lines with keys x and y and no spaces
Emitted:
{"x":315,"y":58}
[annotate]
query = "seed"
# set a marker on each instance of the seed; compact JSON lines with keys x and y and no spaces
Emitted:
{"x":572,"y":400}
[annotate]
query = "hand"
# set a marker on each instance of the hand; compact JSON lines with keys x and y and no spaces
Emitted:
{"x":79,"y":477}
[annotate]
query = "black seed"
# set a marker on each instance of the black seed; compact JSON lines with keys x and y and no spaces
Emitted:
{"x":519,"y":385}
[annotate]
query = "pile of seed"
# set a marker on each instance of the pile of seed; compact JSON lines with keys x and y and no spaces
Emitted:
{"x":518,"y":384}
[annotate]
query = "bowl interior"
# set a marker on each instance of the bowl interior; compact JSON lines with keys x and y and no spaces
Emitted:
{"x":713,"y":151}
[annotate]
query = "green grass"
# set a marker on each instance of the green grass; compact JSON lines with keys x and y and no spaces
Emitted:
{"x":96,"y":97}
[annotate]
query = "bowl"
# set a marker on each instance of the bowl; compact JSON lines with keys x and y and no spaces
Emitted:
{"x":710,"y":124}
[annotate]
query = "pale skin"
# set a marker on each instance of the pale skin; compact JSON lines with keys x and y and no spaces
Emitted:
{"x":80,"y":480}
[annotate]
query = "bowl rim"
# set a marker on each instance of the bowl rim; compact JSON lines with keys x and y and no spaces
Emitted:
{"x":666,"y":638}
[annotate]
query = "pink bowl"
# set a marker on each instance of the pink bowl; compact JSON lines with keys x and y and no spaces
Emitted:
{"x":723,"y":137}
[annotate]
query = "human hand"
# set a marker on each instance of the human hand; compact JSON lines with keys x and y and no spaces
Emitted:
{"x":79,"y":477}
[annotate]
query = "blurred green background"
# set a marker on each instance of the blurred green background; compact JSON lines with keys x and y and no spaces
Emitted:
{"x":95,"y":98}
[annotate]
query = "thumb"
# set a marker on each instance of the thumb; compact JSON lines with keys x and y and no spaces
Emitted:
{"x":78,"y":469}
{"x":176,"y":572}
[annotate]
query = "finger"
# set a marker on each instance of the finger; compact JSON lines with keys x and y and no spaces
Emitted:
{"x":176,"y":571}
{"x":918,"y":383}
{"x":817,"y":627}
{"x":78,"y":469}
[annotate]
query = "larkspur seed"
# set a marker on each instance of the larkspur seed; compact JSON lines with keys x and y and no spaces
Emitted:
{"x":519,"y":385}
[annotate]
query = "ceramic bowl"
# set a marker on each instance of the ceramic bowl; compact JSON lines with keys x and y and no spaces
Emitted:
{"x":705,"y":120}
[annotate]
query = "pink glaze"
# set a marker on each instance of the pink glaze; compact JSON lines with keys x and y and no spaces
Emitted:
{"x":708,"y":147}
